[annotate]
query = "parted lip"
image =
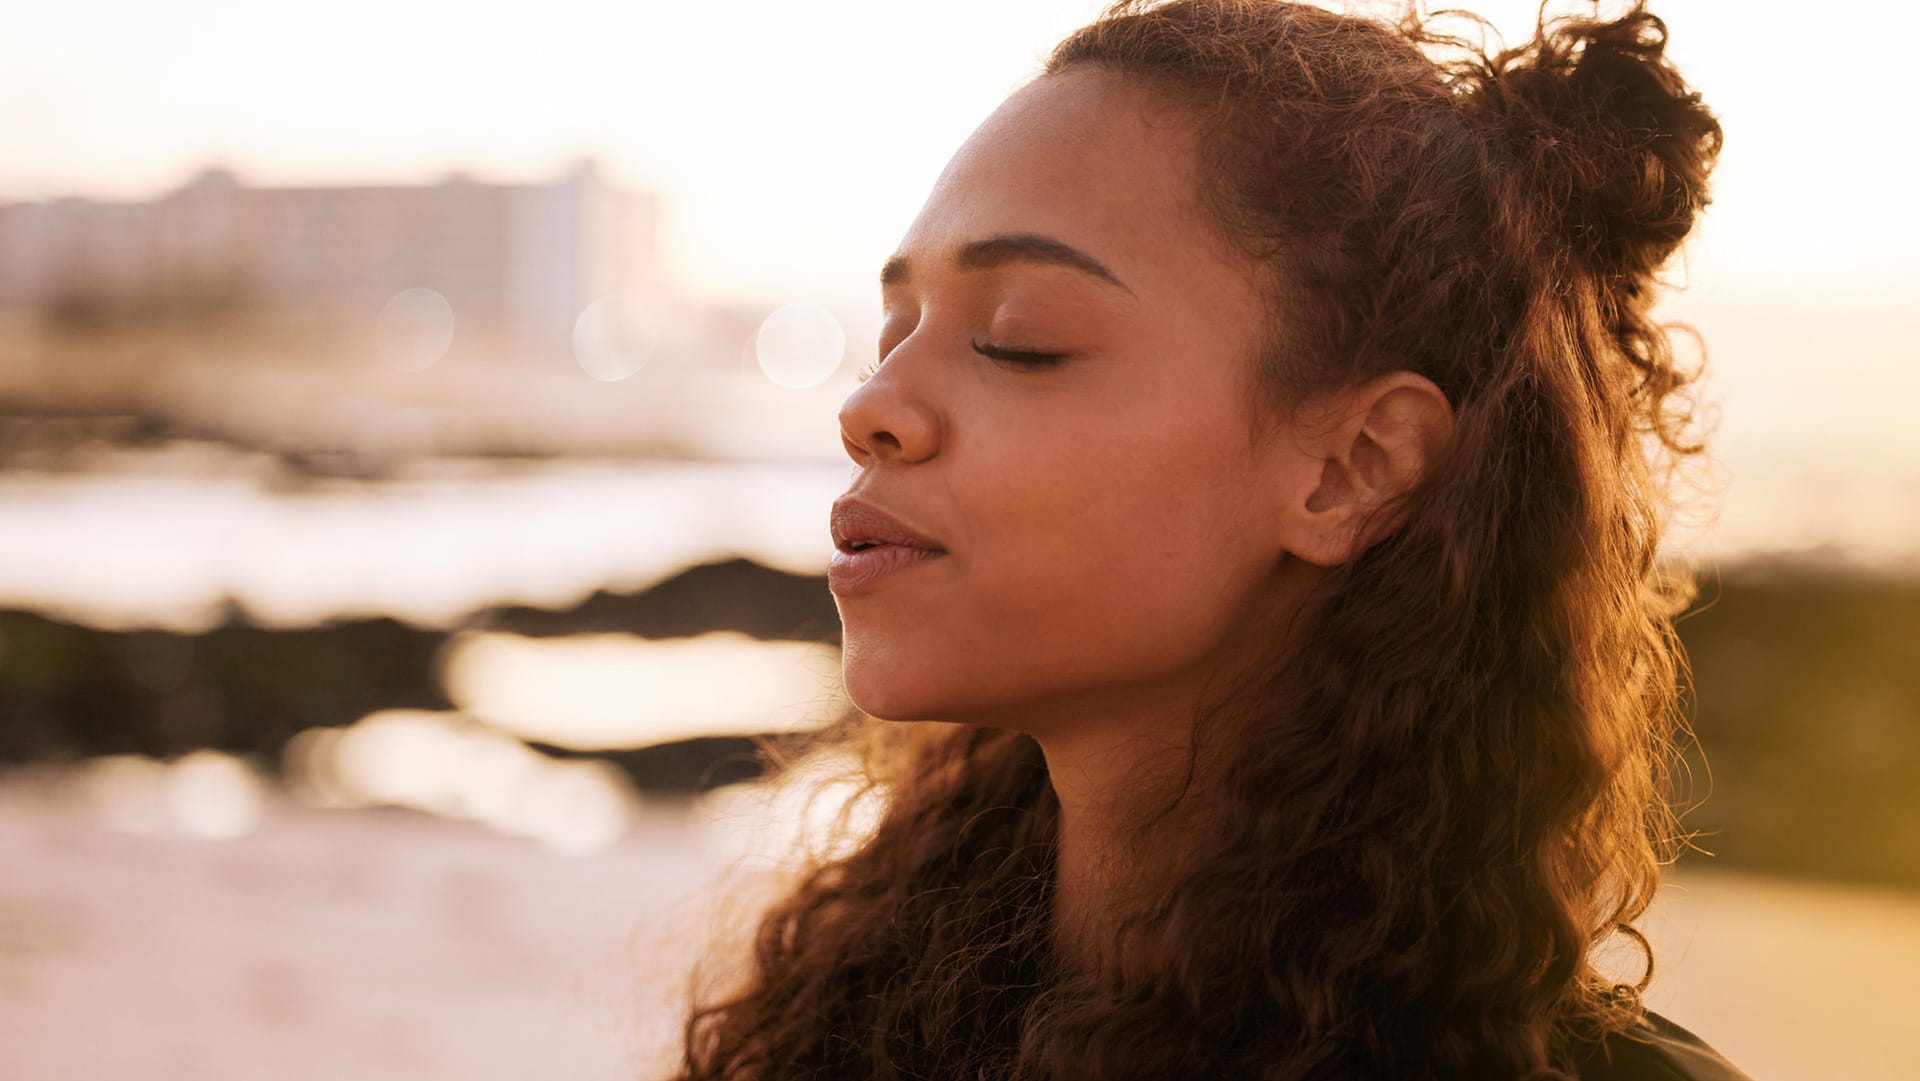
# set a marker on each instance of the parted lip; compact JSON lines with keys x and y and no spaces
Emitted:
{"x":855,"y":521}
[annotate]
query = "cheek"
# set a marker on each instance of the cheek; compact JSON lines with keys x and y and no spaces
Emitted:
{"x":1128,"y":560}
{"x":1107,"y":554}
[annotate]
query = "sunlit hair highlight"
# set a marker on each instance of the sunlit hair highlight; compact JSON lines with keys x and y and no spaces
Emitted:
{"x":1455,"y":784}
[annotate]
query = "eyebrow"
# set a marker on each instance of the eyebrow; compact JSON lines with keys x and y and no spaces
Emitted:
{"x":1013,"y":248}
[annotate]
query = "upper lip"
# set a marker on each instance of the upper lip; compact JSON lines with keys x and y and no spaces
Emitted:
{"x":856,"y":520}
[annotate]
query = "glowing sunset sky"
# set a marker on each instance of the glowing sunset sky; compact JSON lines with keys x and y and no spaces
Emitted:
{"x":794,"y":142}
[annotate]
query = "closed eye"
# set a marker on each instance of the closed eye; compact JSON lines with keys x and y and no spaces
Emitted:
{"x":1030,"y":357}
{"x":1017,"y":356}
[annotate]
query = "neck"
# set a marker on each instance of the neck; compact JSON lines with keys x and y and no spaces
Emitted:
{"x":1120,"y":770}
{"x":1113,"y":787}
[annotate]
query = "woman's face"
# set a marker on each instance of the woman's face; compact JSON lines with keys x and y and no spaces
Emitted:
{"x":1107,"y":521}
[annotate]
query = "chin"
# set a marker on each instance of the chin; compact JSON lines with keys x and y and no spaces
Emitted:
{"x":940,"y":697}
{"x":885,"y":700}
{"x":901,"y":692}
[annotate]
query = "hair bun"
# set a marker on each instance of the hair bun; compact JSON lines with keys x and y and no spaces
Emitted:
{"x":1613,"y":140}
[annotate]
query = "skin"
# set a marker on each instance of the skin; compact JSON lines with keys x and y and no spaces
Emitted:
{"x":1123,"y":528}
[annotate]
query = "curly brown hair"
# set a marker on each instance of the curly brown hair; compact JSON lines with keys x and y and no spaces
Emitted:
{"x":1454,"y":781}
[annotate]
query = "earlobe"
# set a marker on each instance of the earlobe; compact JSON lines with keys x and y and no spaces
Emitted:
{"x":1376,"y":443}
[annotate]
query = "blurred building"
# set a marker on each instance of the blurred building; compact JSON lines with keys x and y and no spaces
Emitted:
{"x":519,"y":261}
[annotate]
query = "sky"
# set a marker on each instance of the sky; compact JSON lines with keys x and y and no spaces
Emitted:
{"x":793,"y":143}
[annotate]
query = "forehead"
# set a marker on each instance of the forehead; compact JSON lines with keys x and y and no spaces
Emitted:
{"x":1086,"y":158}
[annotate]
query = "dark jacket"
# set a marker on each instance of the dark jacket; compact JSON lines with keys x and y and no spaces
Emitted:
{"x":1656,"y":1050}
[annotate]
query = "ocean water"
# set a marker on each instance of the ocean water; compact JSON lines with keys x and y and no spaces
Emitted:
{"x":169,"y":538}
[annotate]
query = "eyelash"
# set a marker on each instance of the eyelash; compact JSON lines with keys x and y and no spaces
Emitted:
{"x":1033,"y":360}
{"x":1026,"y":357}
{"x":1016,"y":356}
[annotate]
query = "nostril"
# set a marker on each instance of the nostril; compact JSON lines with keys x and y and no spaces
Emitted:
{"x":891,"y":425}
{"x":881,"y":441}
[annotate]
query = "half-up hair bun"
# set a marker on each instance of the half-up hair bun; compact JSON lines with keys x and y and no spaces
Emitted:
{"x":1616,"y":144}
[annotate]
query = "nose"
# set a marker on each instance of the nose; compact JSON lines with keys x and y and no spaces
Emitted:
{"x":885,"y":418}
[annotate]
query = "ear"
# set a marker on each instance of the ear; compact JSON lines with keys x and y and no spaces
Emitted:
{"x":1374,"y":442}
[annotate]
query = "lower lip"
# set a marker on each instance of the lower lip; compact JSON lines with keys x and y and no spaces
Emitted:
{"x":857,"y":572}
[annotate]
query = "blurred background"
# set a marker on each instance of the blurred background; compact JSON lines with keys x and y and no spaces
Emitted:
{"x":417,"y":426}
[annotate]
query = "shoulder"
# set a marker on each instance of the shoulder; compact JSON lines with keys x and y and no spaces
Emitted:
{"x":1656,"y":1049}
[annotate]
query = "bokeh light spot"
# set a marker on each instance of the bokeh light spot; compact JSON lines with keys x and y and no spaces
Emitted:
{"x":214,"y":796}
{"x":414,"y":330}
{"x":126,"y":791}
{"x":800,"y":345}
{"x":609,"y":342}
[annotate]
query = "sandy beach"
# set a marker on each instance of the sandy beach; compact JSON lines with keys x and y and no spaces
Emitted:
{"x":385,"y":944}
